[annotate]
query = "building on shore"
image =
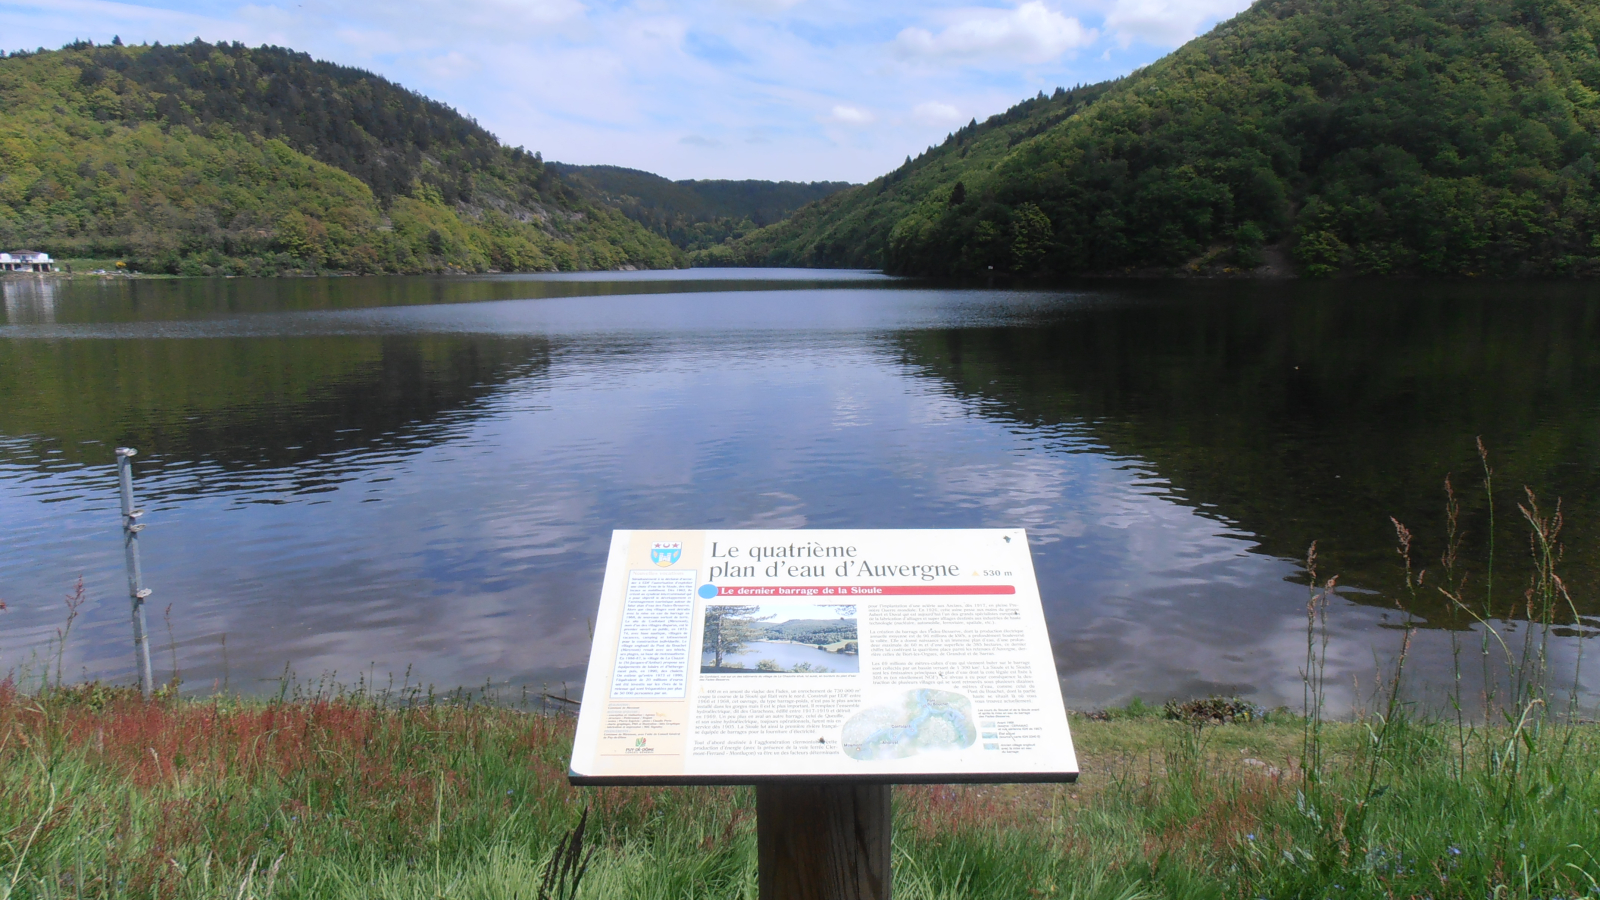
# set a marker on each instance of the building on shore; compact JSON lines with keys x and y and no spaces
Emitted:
{"x":26,"y":261}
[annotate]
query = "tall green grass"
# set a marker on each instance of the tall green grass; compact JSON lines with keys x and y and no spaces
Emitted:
{"x":104,"y":795}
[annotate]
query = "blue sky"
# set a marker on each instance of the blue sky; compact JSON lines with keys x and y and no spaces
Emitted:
{"x":783,"y":89}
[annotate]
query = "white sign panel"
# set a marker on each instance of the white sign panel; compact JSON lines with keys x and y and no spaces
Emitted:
{"x":735,"y":657}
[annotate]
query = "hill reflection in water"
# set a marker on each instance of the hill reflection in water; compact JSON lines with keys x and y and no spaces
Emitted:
{"x":1317,"y":413}
{"x":346,"y":475}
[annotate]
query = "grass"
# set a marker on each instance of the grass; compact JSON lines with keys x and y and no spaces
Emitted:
{"x":88,"y":265}
{"x":105,"y":795}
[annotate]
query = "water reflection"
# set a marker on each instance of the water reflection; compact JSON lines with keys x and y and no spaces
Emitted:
{"x":249,"y":404}
{"x":1318,"y":416}
{"x":113,"y":299}
{"x":29,"y":301}
{"x":782,"y":656}
{"x":370,"y":487}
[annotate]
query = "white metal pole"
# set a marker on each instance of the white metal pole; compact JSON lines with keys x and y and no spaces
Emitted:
{"x":136,"y":589}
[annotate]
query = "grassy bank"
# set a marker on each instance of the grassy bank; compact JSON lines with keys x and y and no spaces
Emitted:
{"x":103,"y":795}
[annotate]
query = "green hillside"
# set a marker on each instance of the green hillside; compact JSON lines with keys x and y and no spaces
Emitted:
{"x":1356,"y":136}
{"x":696,"y":214}
{"x":202,"y":158}
{"x":851,"y":228}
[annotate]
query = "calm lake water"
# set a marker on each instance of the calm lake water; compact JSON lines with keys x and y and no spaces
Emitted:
{"x":366,"y":476}
{"x":788,"y":656}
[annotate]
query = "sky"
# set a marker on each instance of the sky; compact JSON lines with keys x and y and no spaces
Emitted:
{"x":798,"y":90}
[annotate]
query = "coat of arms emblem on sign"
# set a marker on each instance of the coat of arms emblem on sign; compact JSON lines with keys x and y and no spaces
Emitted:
{"x":665,"y":553}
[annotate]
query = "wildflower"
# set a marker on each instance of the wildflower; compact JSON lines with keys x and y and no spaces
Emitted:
{"x":1455,"y":851}
{"x":1249,"y":837}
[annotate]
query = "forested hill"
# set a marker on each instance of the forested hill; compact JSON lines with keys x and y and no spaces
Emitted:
{"x":1358,"y":136}
{"x":695,"y":214}
{"x":851,"y":228}
{"x":203,"y":158}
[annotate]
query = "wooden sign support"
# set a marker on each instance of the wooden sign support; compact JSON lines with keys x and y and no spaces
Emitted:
{"x":823,"y":841}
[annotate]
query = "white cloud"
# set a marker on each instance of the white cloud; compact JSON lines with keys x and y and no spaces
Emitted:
{"x":1031,"y":33}
{"x":933,"y":113}
{"x":765,"y":6}
{"x":110,"y":10}
{"x":850,"y":115}
{"x":452,"y":65}
{"x":500,"y":17}
{"x":382,"y":42}
{"x":1166,"y":23}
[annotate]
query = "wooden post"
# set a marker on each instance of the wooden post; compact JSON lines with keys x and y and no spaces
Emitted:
{"x":823,"y":841}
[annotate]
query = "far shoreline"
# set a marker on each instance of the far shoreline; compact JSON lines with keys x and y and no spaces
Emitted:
{"x":1264,"y":275}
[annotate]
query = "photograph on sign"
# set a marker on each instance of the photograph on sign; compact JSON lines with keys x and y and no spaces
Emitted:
{"x":879,"y":656}
{"x":779,"y":637}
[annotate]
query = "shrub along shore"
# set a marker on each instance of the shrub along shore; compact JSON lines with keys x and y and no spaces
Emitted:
{"x":105,"y":795}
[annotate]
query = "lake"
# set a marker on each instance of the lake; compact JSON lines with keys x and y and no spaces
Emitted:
{"x":786,"y":655}
{"x":365,"y":477}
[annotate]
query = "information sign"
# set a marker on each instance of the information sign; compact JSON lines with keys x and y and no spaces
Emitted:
{"x":748,"y":657}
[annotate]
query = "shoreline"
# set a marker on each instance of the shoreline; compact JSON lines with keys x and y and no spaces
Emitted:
{"x":1266,"y":275}
{"x":60,"y":275}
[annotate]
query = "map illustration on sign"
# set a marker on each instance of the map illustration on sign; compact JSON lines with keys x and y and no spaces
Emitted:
{"x":924,"y":720}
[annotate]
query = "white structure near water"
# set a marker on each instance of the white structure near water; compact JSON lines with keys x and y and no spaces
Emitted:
{"x":26,"y":261}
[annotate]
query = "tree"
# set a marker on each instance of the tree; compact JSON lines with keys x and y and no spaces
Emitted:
{"x":1031,"y":233}
{"x":729,"y":629}
{"x":1322,"y":252}
{"x":1248,"y":239}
